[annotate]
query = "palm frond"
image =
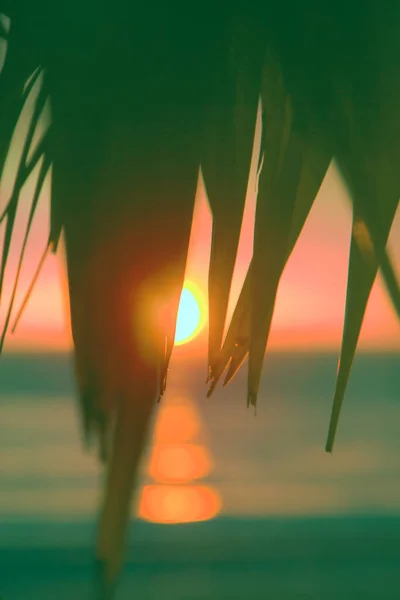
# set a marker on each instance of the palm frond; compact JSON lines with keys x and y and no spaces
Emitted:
{"x":44,"y":169}
{"x":6,"y":7}
{"x":3,"y":31}
{"x":391,"y":280}
{"x":139,"y":103}
{"x":236,"y":345}
{"x":376,"y":192}
{"x":19,"y":68}
{"x":24,"y":170}
{"x":226,"y":162}
{"x":126,"y":258}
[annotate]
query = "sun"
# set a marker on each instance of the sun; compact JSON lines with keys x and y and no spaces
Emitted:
{"x":191,"y":314}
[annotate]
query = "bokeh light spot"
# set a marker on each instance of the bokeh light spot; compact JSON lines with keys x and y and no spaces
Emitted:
{"x":179,"y":504}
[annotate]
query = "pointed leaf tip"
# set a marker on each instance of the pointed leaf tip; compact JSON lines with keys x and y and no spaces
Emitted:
{"x":251,"y":399}
{"x":239,"y":356}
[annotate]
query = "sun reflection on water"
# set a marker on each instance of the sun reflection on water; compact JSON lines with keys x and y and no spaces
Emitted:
{"x":179,"y":459}
{"x":179,"y":503}
{"x":177,"y":423}
{"x":179,"y":463}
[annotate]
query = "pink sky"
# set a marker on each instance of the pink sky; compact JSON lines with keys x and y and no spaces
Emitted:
{"x":311,"y":297}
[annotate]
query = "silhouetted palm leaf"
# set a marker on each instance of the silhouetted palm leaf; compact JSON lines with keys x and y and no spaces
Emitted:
{"x":236,"y":345}
{"x":3,"y":31}
{"x":231,"y":123}
{"x":375,"y":191}
{"x":140,"y":100}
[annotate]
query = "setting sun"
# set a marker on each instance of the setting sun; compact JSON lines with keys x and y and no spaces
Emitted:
{"x":191,"y":314}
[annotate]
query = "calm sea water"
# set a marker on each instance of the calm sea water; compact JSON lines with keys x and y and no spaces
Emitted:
{"x":294,"y":522}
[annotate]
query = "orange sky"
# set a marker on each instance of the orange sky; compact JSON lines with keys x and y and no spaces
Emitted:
{"x":310,"y":307}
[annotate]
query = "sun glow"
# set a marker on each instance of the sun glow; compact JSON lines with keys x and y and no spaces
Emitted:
{"x":191,"y":314}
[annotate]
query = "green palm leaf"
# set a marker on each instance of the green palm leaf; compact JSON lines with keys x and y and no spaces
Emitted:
{"x":236,"y":345}
{"x":376,"y":191}
{"x":132,"y":122}
{"x":226,"y":161}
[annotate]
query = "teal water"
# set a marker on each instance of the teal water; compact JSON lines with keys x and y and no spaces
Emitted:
{"x":295,"y":522}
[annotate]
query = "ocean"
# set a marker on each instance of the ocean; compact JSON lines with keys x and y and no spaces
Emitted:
{"x":230,"y":504}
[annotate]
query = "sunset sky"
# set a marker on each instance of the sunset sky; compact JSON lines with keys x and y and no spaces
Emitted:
{"x":311,"y":298}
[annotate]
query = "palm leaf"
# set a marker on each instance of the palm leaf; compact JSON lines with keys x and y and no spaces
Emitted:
{"x":23,"y":172}
{"x":44,"y":169}
{"x":18,"y":68}
{"x":126,"y":256}
{"x":375,"y":191}
{"x":6,"y":7}
{"x":226,"y":162}
{"x":3,"y":31}
{"x":236,"y":345}
{"x":391,"y":280}
{"x":277,"y":189}
{"x":125,"y":153}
